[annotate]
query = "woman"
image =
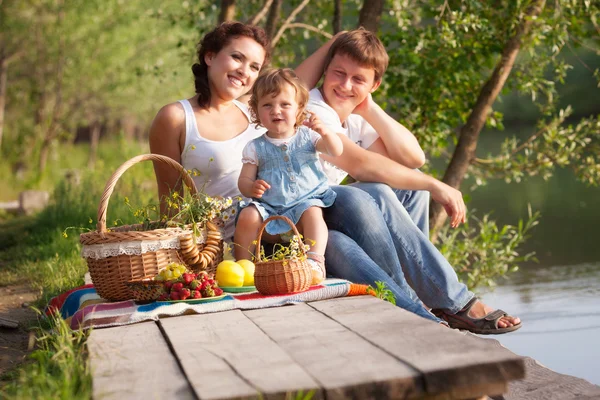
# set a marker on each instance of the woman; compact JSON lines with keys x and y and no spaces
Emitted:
{"x":208,"y":131}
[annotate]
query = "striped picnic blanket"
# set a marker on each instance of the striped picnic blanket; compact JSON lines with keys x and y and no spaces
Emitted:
{"x":83,"y":308}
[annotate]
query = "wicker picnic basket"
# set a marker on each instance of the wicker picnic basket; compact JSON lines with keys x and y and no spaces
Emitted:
{"x":128,"y":252}
{"x":280,"y":276}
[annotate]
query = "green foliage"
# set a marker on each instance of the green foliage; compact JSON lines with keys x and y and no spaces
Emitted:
{"x":482,"y":253}
{"x":57,"y":369}
{"x":382,"y":292}
{"x":441,"y":54}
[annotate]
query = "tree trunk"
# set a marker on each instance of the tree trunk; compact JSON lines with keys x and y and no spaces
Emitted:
{"x":337,"y":16}
{"x":370,"y":15}
{"x":3,"y":81}
{"x":273,"y":18}
{"x":227,"y":11}
{"x":44,"y":152}
{"x":469,"y":133}
{"x":94,"y":140}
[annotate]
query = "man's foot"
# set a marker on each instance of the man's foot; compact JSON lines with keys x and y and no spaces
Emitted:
{"x":480,"y":310}
{"x":478,"y":318}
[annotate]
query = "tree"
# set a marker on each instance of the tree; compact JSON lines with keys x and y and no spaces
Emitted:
{"x":443,"y":55}
{"x":370,"y":15}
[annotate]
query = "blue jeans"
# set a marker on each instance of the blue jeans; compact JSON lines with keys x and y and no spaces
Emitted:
{"x":356,"y":226}
{"x":397,"y":220}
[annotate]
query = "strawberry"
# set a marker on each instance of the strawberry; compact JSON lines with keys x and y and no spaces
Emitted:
{"x":202,"y":275}
{"x":204,"y":285}
{"x":168,"y":285}
{"x":208,"y":292}
{"x":187,"y":278}
{"x":196,"y":294}
{"x":218,"y":291}
{"x":177,"y":286}
{"x":163,"y":297}
{"x":195,"y":284}
{"x":184,"y":293}
{"x":174,"y":295}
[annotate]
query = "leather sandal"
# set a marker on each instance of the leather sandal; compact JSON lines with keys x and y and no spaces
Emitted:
{"x":487,"y":325}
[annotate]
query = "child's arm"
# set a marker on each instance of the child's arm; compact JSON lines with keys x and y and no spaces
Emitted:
{"x":330,"y":143}
{"x":397,"y":142}
{"x":248,"y":184}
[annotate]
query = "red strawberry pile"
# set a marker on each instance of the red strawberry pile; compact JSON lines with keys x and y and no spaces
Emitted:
{"x":191,"y":286}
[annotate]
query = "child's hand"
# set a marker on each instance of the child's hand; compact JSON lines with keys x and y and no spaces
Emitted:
{"x":259,"y":188}
{"x":316,"y":125}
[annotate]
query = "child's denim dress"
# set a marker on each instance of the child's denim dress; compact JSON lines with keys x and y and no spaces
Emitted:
{"x":297,"y":181}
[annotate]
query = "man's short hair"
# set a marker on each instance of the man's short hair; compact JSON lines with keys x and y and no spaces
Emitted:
{"x":362,"y":46}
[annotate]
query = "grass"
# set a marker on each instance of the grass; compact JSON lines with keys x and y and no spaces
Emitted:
{"x":57,"y":369}
{"x":33,"y":250}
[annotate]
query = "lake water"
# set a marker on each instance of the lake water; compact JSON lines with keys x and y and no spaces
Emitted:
{"x":558,"y":298}
{"x":560,"y":310}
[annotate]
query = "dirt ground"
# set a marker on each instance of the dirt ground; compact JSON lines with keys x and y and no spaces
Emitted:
{"x":15,"y":343}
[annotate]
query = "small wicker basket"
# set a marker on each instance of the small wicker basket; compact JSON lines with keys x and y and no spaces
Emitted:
{"x":146,"y":289}
{"x":111,"y":273}
{"x":280,"y":276}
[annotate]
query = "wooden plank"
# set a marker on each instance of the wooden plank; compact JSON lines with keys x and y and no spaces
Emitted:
{"x":450,"y":361}
{"x":8,"y":323}
{"x":344,"y":364}
{"x":135,"y":362}
{"x":225,"y":355}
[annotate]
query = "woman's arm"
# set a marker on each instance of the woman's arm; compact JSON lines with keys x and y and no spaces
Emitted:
{"x":368,"y":166}
{"x":397,"y":142}
{"x":311,"y":69}
{"x":165,"y":137}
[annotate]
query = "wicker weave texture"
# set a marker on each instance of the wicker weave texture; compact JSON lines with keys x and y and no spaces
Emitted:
{"x":280,"y":276}
{"x":111,"y":274}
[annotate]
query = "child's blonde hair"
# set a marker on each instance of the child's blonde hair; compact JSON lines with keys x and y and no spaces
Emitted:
{"x":270,"y":83}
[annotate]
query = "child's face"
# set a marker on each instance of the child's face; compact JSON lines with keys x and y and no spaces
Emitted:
{"x":278,"y":113}
{"x":346,"y":84}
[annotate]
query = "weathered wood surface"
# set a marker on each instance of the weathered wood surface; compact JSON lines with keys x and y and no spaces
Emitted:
{"x":225,"y":355}
{"x":135,"y":362}
{"x":447,"y":360}
{"x":358,"y":347}
{"x":345,"y":365}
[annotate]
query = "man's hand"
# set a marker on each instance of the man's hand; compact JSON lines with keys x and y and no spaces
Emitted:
{"x":365,"y":106}
{"x":259,"y":187}
{"x":452,"y":201}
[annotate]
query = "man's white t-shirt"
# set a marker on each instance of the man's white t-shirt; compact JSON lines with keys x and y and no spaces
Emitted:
{"x":355,"y":127}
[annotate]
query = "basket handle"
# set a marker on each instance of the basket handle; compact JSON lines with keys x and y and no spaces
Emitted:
{"x":262,"y":228}
{"x":110,"y":185}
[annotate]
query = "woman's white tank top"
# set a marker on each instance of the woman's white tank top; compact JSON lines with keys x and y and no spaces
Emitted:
{"x":218,"y":162}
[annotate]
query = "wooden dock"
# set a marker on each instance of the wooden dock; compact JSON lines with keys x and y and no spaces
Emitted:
{"x":352,"y":347}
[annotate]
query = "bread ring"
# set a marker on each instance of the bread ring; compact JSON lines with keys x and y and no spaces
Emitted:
{"x":194,"y":260}
{"x":212,"y":247}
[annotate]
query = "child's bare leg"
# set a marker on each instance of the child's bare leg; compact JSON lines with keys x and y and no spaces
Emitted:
{"x":314,"y":229}
{"x":246,"y":231}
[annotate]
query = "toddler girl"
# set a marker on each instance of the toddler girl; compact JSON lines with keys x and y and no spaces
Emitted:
{"x":281,"y":171}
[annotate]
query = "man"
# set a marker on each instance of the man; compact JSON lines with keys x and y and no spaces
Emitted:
{"x":379,"y":149}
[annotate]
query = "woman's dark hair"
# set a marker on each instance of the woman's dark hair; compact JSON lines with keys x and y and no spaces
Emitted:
{"x":213,"y":42}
